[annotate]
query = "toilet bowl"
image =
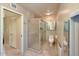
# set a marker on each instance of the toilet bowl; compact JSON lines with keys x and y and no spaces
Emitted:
{"x":51,"y":40}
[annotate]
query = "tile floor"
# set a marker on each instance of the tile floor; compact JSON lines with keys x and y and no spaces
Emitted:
{"x":45,"y":50}
{"x":9,"y":51}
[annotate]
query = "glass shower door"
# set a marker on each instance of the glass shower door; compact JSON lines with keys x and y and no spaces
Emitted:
{"x":34,"y":39}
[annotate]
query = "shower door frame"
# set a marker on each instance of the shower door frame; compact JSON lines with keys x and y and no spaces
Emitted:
{"x":2,"y":26}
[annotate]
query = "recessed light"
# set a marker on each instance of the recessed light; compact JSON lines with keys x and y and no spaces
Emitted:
{"x":48,"y":13}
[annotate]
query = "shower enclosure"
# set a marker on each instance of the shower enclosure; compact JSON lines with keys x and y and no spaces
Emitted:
{"x":36,"y":33}
{"x":33,"y":33}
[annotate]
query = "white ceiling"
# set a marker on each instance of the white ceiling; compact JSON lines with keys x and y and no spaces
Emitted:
{"x":41,"y":8}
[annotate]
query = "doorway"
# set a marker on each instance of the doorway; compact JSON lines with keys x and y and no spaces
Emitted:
{"x":12,"y":32}
{"x":74,"y":36}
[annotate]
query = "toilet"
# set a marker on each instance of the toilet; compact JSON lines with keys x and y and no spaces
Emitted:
{"x":51,"y":40}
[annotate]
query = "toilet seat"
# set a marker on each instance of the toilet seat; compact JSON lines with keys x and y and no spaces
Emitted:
{"x":51,"y":40}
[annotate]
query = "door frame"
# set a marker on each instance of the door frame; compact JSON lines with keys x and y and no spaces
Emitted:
{"x":72,"y":42}
{"x":2,"y":26}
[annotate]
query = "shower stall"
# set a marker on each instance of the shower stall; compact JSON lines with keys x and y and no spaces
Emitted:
{"x":39,"y":31}
{"x":36,"y":33}
{"x":33,"y":33}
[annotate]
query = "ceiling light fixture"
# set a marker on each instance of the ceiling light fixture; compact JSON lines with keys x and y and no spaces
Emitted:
{"x":48,"y":13}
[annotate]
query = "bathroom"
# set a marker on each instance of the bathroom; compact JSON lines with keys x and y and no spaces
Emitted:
{"x":43,"y":36}
{"x":46,"y":32}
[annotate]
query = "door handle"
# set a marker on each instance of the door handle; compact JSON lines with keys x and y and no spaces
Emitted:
{"x":21,"y":35}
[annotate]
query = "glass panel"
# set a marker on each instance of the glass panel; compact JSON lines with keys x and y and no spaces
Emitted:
{"x":34,"y":34}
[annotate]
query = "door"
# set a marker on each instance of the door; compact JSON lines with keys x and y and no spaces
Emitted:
{"x":12,"y":33}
